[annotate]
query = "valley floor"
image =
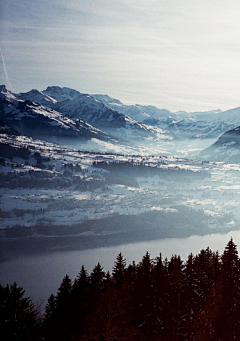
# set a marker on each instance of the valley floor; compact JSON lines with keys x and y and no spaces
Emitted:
{"x":83,"y":200}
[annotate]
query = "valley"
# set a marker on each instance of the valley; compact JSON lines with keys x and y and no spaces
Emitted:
{"x":97,"y":177}
{"x":89,"y":199}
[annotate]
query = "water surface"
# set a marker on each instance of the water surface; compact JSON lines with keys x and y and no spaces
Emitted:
{"x":41,"y":274}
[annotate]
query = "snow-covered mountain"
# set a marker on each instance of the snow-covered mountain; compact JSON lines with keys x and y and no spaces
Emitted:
{"x":50,"y":96}
{"x":61,"y":111}
{"x":226,"y":148}
{"x":134,"y":121}
{"x":210,"y":124}
{"x":146,"y":114}
{"x":181,"y":124}
{"x":95,"y":112}
{"x":32,"y":119}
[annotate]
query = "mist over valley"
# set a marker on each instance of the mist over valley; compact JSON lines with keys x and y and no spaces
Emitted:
{"x":89,"y":175}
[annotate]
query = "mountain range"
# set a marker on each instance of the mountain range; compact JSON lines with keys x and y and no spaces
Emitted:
{"x":75,"y":105}
{"x":33,"y":119}
{"x":64,"y":115}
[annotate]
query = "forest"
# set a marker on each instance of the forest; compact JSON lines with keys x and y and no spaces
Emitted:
{"x":157,"y":299}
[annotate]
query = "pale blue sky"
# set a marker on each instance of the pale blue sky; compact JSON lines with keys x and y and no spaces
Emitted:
{"x":178,"y":55}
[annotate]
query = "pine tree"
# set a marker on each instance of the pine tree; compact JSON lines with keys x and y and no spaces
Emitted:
{"x":58,"y":327}
{"x":50,"y":307}
{"x":131,"y":273}
{"x":80,"y":284}
{"x":228,"y":296}
{"x":80,"y":303}
{"x":63,"y":293}
{"x":108,"y":280}
{"x":97,"y":282}
{"x":160,"y":297}
{"x":118,"y":270}
{"x":230,"y":260}
{"x":97,"y":277}
{"x":19,"y":319}
{"x":143,"y":297}
{"x":173,"y":312}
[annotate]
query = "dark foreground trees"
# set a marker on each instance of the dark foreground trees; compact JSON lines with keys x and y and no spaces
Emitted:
{"x":19,"y":319}
{"x":157,"y":299}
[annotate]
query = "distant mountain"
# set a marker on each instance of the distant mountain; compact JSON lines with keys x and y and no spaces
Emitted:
{"x":95,"y":112}
{"x":226,"y":148}
{"x":181,"y":124}
{"x":50,"y":96}
{"x":126,"y":123}
{"x":32,"y":119}
{"x":146,"y":114}
{"x":210,"y":124}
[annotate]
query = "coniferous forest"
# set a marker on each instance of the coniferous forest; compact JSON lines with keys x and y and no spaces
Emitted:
{"x":157,"y":299}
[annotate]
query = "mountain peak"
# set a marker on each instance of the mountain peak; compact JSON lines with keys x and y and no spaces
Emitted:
{"x":3,"y":88}
{"x":107,"y":99}
{"x":26,"y":114}
{"x":61,"y":94}
{"x":53,"y":88}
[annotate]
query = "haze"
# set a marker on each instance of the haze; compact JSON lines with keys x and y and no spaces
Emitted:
{"x":179,"y":55}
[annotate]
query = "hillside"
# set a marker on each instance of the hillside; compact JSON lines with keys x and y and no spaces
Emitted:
{"x":226,"y":148}
{"x":93,"y":111}
{"x":34,"y":120}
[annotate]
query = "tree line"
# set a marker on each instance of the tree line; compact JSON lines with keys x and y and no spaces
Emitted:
{"x":156,"y":299}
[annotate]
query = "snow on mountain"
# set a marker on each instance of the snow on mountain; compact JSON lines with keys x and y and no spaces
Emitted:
{"x":210,"y":124}
{"x":198,"y":115}
{"x":61,"y":94}
{"x":37,"y":97}
{"x":131,"y":124}
{"x":92,"y":110}
{"x":50,"y":96}
{"x":226,"y":148}
{"x":32,"y":119}
{"x":146,"y":114}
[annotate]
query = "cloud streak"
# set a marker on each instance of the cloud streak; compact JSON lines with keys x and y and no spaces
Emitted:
{"x":177,"y":55}
{"x":5,"y":69}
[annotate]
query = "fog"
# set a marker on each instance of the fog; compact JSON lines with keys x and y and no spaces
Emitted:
{"x":189,"y":148}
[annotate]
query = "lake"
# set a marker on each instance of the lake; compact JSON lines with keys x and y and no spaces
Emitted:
{"x":41,"y":274}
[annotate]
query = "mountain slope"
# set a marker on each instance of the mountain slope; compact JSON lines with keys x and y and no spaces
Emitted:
{"x":180,"y":125}
{"x":76,"y":105}
{"x":226,"y":148}
{"x":210,"y":124}
{"x":50,"y":96}
{"x":135,"y":124}
{"x":6,"y":129}
{"x":32,"y":119}
{"x":146,"y":114}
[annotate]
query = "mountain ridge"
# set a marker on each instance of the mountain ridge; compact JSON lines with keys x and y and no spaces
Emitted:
{"x":93,"y":111}
{"x":68,"y":113}
{"x":33,"y":119}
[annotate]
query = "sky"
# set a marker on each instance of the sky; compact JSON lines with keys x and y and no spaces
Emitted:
{"x":177,"y":55}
